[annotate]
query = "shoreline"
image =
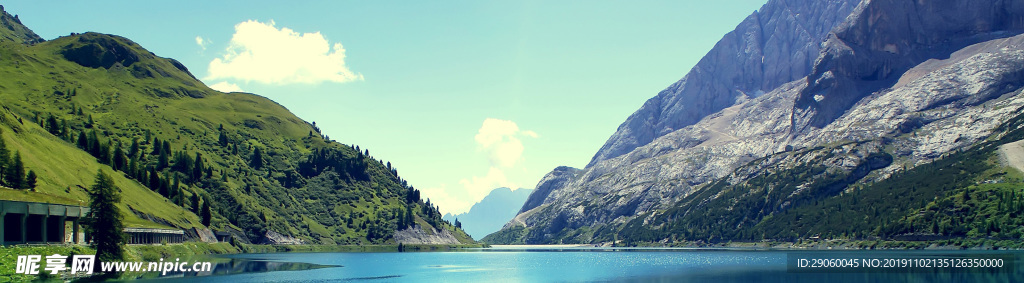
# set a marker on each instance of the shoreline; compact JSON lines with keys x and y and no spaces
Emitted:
{"x":198,"y":250}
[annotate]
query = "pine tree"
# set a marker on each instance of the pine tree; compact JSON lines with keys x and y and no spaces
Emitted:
{"x":197,"y":169}
{"x":105,"y":220}
{"x":133,"y":152}
{"x":223,"y":138}
{"x":15,"y":176}
{"x":5,"y":156}
{"x":52,"y":126}
{"x":410,"y":219}
{"x":157,"y":146}
{"x":176,"y":187}
{"x":257,"y":159}
{"x":165,"y":187}
{"x":175,"y":190}
{"x":400,"y":217}
{"x":65,"y":130}
{"x":83,"y":142}
{"x":195,"y":203}
{"x":206,"y":215}
{"x":30,"y":180}
{"x":94,"y":144}
{"x":179,"y":197}
{"x":133,"y":169}
{"x":142,"y":175}
{"x":105,"y":155}
{"x":120,"y":161}
{"x":163,"y":161}
{"x":154,"y":179}
{"x":182,"y":163}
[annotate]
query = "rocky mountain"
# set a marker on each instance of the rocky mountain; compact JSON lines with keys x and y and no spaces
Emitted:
{"x":553,"y":180}
{"x":897,"y":89}
{"x":488,"y":215}
{"x":12,"y":30}
{"x":417,"y":235}
{"x":774,"y":45}
{"x":92,"y":102}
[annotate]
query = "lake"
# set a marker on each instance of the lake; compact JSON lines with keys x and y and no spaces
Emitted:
{"x":535,"y":264}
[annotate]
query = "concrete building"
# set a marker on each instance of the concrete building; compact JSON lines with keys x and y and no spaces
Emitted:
{"x":153,"y":236}
{"x":35,"y":222}
{"x":222,"y":236}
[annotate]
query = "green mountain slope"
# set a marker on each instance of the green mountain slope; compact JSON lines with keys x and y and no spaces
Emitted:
{"x":91,"y":101}
{"x":966,"y":195}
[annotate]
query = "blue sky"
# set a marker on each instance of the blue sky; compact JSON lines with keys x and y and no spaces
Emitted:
{"x":461,"y":96}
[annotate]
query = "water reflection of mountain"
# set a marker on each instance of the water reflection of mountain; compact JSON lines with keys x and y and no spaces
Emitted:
{"x":228,"y":266}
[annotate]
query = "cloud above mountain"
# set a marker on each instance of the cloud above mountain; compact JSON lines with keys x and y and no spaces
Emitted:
{"x":226,"y":87}
{"x":202,"y":42}
{"x":501,"y":141}
{"x":262,"y":52}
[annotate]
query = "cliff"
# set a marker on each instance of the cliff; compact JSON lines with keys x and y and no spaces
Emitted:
{"x":775,"y":45}
{"x":896,"y":85}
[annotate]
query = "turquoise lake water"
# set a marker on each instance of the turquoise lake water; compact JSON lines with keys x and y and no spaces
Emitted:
{"x":602,"y":265}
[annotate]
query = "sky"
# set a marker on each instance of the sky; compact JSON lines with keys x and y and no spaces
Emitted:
{"x":460,"y":96}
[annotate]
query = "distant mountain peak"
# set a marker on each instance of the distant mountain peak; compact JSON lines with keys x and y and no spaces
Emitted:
{"x":488,"y":215}
{"x":11,"y":29}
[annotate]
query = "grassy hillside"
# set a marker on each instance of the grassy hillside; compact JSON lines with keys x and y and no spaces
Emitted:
{"x":84,"y":102}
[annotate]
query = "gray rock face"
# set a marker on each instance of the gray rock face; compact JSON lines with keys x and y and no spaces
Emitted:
{"x":204,"y":235}
{"x":772,"y":46}
{"x":554,"y":180}
{"x":917,"y":113}
{"x":275,"y":238}
{"x":416,"y":235}
{"x":882,"y":39}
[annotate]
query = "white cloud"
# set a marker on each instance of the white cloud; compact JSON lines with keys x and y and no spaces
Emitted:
{"x":500,"y":140}
{"x":226,"y":87}
{"x":263,"y":53}
{"x":202,"y":42}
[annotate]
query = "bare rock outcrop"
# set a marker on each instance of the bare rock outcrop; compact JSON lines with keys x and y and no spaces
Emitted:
{"x":275,"y":238}
{"x":416,"y":235}
{"x":775,"y":45}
